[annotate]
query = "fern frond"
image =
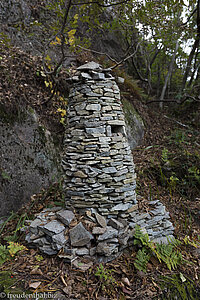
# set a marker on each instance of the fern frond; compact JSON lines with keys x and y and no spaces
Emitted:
{"x":142,"y":259}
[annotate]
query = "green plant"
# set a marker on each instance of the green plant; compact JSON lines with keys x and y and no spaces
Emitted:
{"x":164,"y":155}
{"x":20,"y":224}
{"x":39,"y":258}
{"x":178,"y":286}
{"x":142,"y":258}
{"x":169,"y":254}
{"x":6,"y":253}
{"x":105,"y":276}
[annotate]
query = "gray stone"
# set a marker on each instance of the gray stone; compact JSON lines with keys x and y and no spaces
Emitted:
{"x":59,"y":239}
{"x":109,"y":170}
{"x":92,"y":251}
{"x":164,"y":240}
{"x":101,"y":220}
{"x":98,"y":230}
{"x":153,"y":202}
{"x":98,"y":76}
{"x":48,"y":250}
{"x":115,"y":224}
{"x":109,"y":234}
{"x":106,"y":249}
{"x":121,"y":207}
{"x":79,"y":236}
{"x":95,"y":130}
{"x":41,"y":241}
{"x":65,"y":216}
{"x":85,"y":75}
{"x":95,"y":107}
{"x":159,"y":211}
{"x":52,"y":228}
{"x":34,"y":225}
{"x":89,"y":66}
{"x":82,"y":251}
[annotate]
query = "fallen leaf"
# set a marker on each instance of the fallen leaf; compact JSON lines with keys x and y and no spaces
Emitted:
{"x":34,"y":285}
{"x":126,"y":291}
{"x":82,"y":266}
{"x":36,"y":271}
{"x":126,"y":281}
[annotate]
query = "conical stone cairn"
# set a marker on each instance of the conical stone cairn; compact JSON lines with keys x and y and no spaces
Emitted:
{"x":97,"y":158}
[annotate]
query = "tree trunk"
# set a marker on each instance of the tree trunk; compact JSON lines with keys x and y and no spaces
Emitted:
{"x":168,"y":75}
{"x":189,"y":62}
{"x":195,"y":46}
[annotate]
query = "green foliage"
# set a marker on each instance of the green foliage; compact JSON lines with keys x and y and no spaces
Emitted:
{"x":6,"y":253}
{"x":167,"y":253}
{"x":178,"y":286}
{"x":142,"y":258}
{"x":164,"y":155}
{"x":171,"y":257}
{"x":20,"y":224}
{"x":5,"y":175}
{"x":105,"y":276}
{"x":39,"y":258}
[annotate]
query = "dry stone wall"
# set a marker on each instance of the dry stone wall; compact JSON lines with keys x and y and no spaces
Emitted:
{"x":97,"y":160}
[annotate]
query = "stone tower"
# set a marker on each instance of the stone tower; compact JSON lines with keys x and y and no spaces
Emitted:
{"x":97,"y":158}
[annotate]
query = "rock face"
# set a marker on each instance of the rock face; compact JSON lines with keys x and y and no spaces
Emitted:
{"x":27,"y":161}
{"x":134,"y":124}
{"x":97,"y":157}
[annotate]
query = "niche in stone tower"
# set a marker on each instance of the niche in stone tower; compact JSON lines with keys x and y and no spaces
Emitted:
{"x":97,"y":158}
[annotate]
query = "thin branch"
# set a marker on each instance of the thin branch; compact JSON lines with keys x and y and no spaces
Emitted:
{"x":188,"y":19}
{"x":126,"y":58}
{"x":68,"y":4}
{"x":97,"y":52}
{"x":174,"y":100}
{"x":99,"y":4}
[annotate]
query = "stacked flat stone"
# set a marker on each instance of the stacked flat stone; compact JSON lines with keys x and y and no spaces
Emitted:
{"x":93,"y":236}
{"x":97,"y":158}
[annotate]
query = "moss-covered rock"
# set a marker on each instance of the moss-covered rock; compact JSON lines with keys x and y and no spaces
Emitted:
{"x":134,"y":124}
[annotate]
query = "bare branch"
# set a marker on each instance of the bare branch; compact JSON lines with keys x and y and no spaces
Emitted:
{"x":68,"y":4}
{"x":99,"y":4}
{"x":188,"y":19}
{"x":126,"y":58}
{"x":175,"y":100}
{"x":97,"y":52}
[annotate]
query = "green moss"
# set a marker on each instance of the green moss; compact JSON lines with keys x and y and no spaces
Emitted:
{"x":8,"y":283}
{"x":129,"y":112}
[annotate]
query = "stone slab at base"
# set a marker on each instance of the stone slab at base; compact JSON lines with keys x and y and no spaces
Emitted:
{"x":94,"y":236}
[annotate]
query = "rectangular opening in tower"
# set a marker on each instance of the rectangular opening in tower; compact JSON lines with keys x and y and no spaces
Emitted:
{"x":115,"y":129}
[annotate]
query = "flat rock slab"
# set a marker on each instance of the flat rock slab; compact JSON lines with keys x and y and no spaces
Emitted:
{"x":109,"y":234}
{"x":59,"y":238}
{"x":115,"y":224}
{"x":65,"y":216}
{"x":79,"y":236}
{"x":98,"y":230}
{"x":48,"y":250}
{"x":52,"y":228}
{"x":121,"y":207}
{"x":101,"y":220}
{"x":89,"y":66}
